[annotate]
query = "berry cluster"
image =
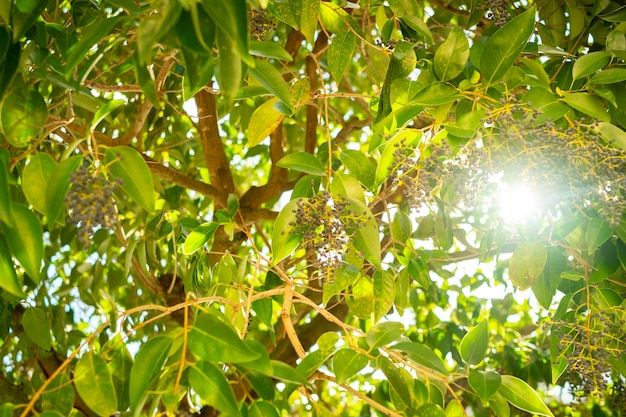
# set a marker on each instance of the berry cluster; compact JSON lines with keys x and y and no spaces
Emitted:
{"x":259,"y":24}
{"x":419,"y":175}
{"x":589,"y":347}
{"x":327,"y":224}
{"x":90,"y":202}
{"x":497,"y":10}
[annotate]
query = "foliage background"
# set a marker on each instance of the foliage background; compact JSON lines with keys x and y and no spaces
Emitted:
{"x":290,"y":207}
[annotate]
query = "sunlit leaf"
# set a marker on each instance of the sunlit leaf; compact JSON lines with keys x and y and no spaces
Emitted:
{"x":263,"y":409}
{"x":269,"y":77}
{"x":384,"y":333}
{"x":286,"y":373}
{"x":590,"y":63}
{"x":503,"y":48}
{"x":59,"y":395}
{"x":8,"y":278}
{"x":264,"y":120}
{"x":343,"y":278}
{"x":94,"y":384}
{"x":284,"y":240}
{"x":340,"y":53}
{"x":384,"y":293}
{"x":522,"y":396}
{"x":587,"y":104}
{"x":27,"y":240}
{"x":452,"y":55}
{"x":346,"y":363}
{"x":475,"y":343}
{"x":22,"y":116}
{"x":212,"y":339}
{"x":526,"y":263}
{"x":422,"y":355}
{"x":199,"y":236}
{"x":359,"y":165}
{"x":6,"y":208}
{"x":485,"y":384}
{"x":302,"y":162}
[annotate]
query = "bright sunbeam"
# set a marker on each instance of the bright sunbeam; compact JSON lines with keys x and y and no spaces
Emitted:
{"x":517,"y":204}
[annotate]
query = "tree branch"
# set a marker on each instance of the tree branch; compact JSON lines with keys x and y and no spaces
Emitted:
{"x":212,"y":146}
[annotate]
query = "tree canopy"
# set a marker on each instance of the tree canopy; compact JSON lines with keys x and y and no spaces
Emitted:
{"x":313,"y":208}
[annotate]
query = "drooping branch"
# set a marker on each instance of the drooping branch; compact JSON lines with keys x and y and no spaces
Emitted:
{"x":216,"y":161}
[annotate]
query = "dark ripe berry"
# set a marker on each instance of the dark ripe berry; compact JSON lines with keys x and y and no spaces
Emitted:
{"x":497,"y":10}
{"x":90,"y":202}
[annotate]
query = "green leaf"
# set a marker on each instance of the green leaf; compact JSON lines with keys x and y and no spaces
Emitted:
{"x":526,"y":263}
{"x":346,"y":364}
{"x":57,"y":188}
{"x":196,"y":30}
{"x":27,"y":240}
{"x":302,"y":162}
{"x":8,"y":278}
{"x":231,"y":18}
{"x":475,"y":343}
{"x":37,"y":327}
{"x":443,"y":226}
{"x":213,"y":339}
{"x":262,"y":409}
{"x":522,"y":396}
{"x":423,"y":355}
{"x":340,"y":53}
{"x":587,"y":104}
{"x":452,"y":55}
{"x":90,"y":37}
{"x":145,"y":78}
{"x":360,"y":166}
{"x":436,"y":94}
{"x":59,"y":395}
{"x":35,"y":178}
{"x":24,"y":15}
{"x":605,"y":263}
{"x":430,"y":410}
{"x":94,"y":384}
{"x":502,"y":49}
{"x":6,"y":210}
{"x":262,"y":363}
{"x":401,"y":226}
{"x":269,"y":50}
{"x":344,"y":277}
{"x":361,"y":298}
{"x":153,"y":27}
{"x":500,"y":406}
{"x":264,"y":120}
{"x":308,"y":19}
{"x":366,"y":238}
{"x":128,"y":165}
{"x":418,"y":25}
{"x":270,"y":78}
{"x":485,"y":384}
{"x":22,"y":116}
{"x":284,"y":241}
{"x":397,"y":383}
{"x":208,"y":381}
{"x":229,"y":66}
{"x":147,"y":367}
{"x":609,"y":76}
{"x":612,"y":134}
{"x":119,"y":363}
{"x":384,"y":333}
{"x":199,"y":236}
{"x":286,"y":373}
{"x":598,"y":232}
{"x":590,"y":63}
{"x":384,"y":293}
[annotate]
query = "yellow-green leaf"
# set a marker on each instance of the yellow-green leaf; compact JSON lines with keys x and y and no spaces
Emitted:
{"x":340,"y":53}
{"x":264,"y":120}
{"x":128,"y":165}
{"x":452,"y":55}
{"x":94,"y":384}
{"x":8,"y":278}
{"x":522,"y":396}
{"x":35,"y":178}
{"x":27,"y":240}
{"x":526,"y":263}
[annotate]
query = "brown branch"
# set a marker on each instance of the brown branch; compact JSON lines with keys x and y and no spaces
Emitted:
{"x":212,"y":146}
{"x":310,"y":138}
{"x":177,"y":178}
{"x":146,"y":107}
{"x":277,"y":182}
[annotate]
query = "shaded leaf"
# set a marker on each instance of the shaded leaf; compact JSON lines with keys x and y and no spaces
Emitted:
{"x":147,"y":367}
{"x":286,"y":373}
{"x":284,"y":241}
{"x":37,"y":327}
{"x":422,"y":355}
{"x":340,"y":53}
{"x":8,"y":278}
{"x":22,"y":116}
{"x":270,"y":78}
{"x":485,"y":384}
{"x":35,"y":178}
{"x":266,"y":49}
{"x":384,"y":293}
{"x":27,"y":240}
{"x":128,"y":165}
{"x":57,"y":188}
{"x":59,"y":395}
{"x":359,"y":165}
{"x":208,"y":381}
{"x":263,"y":409}
{"x":526,"y":263}
{"x":343,"y":278}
